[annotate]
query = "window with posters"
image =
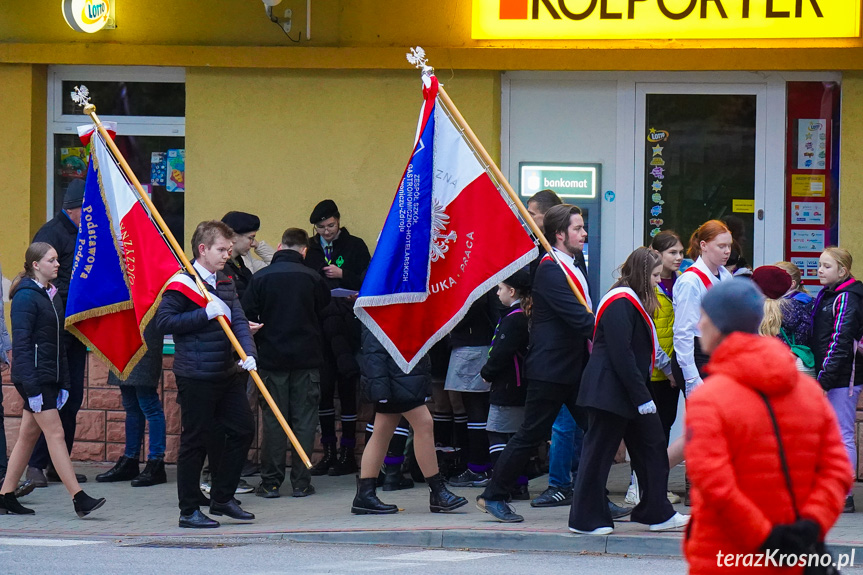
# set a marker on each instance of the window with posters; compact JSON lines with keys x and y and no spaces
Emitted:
{"x":812,"y":174}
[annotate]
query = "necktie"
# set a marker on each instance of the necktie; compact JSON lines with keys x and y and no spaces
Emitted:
{"x":328,"y":254}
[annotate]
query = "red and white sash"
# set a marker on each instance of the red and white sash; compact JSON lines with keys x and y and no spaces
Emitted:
{"x":628,"y":294}
{"x":185,"y":284}
{"x":701,"y":275}
{"x":577,"y":277}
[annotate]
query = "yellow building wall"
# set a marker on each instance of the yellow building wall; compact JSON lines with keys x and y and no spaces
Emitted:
{"x":851,"y":168}
{"x":276,"y":142}
{"x":22,"y":175}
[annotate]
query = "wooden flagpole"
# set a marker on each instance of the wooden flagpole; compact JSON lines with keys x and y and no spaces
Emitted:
{"x":498,"y":175}
{"x":90,"y":110}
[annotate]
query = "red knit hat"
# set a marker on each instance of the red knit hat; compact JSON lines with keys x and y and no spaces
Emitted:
{"x":773,"y":281}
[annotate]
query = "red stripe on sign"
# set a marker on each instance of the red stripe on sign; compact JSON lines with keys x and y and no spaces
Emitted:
{"x":513,"y":9}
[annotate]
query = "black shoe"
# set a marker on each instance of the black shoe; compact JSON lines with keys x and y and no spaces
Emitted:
{"x":395,"y":479}
{"x":617,"y":511}
{"x":9,"y":504}
{"x":553,"y":497}
{"x":267,"y":491}
{"x":153,"y":474}
{"x":51,"y":475}
{"x":24,"y":489}
{"x":37,"y":476}
{"x":346,"y":464}
{"x":442,"y":499}
{"x":231,"y":509}
{"x":250,"y":468}
{"x":470,"y":479}
{"x":534,"y":469}
{"x":520,"y":493}
{"x":849,"y":505}
{"x":304,"y":491}
{"x":500,"y":510}
{"x":125,"y":469}
{"x":329,"y":459}
{"x":84,"y":504}
{"x":198,"y":520}
{"x":366,"y":501}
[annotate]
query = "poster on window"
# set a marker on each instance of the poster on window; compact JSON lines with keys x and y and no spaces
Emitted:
{"x":176,"y":171}
{"x":811,"y":144}
{"x":808,"y":213}
{"x":807,"y":240}
{"x":158,"y":168}
{"x":808,"y":267}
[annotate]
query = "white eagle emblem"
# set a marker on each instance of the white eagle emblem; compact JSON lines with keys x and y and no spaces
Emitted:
{"x":440,"y":239}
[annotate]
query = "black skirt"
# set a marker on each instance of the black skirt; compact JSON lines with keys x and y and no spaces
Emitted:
{"x":389,"y":407}
{"x":50,"y":391}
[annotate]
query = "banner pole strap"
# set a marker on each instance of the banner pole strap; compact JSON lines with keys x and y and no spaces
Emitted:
{"x":484,"y":156}
{"x":90,"y":110}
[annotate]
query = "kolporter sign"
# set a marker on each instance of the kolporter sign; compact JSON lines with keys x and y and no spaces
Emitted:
{"x":664,"y":19}
{"x":86,"y":15}
{"x":566,"y":180}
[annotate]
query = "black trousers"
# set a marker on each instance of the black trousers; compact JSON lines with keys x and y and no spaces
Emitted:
{"x":646,"y":445}
{"x":666,"y":398}
{"x":206,"y":405}
{"x":701,"y":360}
{"x":76,"y":357}
{"x":331,"y":380}
{"x":477,"y":404}
{"x":541,"y":407}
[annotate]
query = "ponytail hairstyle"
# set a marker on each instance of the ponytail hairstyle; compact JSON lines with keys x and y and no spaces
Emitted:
{"x":34,"y":253}
{"x":842,"y":257}
{"x":705,"y":233}
{"x":773,"y":313}
{"x":795,"y":273}
{"x":635,"y":274}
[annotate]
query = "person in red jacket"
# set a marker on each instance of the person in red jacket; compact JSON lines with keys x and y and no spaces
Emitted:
{"x":741,"y":503}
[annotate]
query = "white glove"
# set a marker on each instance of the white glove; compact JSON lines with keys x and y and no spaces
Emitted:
{"x":35,"y":403}
{"x":62,"y":398}
{"x":646,"y":408}
{"x":692,"y":385}
{"x":216,"y":308}
{"x":250,"y":364}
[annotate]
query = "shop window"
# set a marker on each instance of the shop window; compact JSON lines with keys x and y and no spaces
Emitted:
{"x":148,"y":105}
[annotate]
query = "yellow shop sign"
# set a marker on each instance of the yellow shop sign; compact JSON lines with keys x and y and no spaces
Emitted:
{"x":664,"y":19}
{"x":86,"y":15}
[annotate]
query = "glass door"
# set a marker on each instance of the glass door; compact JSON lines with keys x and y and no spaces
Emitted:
{"x":700,"y":155}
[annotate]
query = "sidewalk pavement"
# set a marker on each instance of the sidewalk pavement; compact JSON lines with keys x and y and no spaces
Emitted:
{"x":151,"y":513}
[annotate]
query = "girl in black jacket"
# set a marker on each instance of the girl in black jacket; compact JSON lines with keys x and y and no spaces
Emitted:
{"x":837,"y":327}
{"x":40,"y":375}
{"x":504,"y":369}
{"x":614,"y":391}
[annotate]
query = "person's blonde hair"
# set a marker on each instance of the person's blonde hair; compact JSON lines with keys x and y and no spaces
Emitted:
{"x":771,"y":324}
{"x":795,"y":273}
{"x":842,"y":257}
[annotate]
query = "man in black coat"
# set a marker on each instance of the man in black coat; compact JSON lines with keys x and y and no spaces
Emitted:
{"x":560,"y":329}
{"x":62,"y":232}
{"x":342,"y":260}
{"x":287,"y":298}
{"x":210,"y":384}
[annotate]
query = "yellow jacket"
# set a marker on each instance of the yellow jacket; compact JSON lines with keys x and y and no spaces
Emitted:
{"x":663,"y":317}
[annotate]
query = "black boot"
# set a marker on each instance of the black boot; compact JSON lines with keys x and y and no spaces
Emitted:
{"x":329,"y":459}
{"x":346,"y":463}
{"x":153,"y":474}
{"x":367,"y":503}
{"x":84,"y":504}
{"x":442,"y":499}
{"x":9,"y":504}
{"x":125,"y":469}
{"x":394,"y":478}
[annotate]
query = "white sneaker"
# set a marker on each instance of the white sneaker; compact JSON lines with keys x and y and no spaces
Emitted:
{"x":597,"y":531}
{"x":672,"y":497}
{"x":677,"y":521}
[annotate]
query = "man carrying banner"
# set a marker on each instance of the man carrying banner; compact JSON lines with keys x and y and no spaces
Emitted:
{"x":560,"y":329}
{"x":211,"y":387}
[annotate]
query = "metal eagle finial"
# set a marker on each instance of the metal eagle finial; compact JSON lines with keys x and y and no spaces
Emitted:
{"x":417,"y":57}
{"x":81,"y":96}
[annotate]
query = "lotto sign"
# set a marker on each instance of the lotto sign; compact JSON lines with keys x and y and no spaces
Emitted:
{"x":664,"y":19}
{"x":86,"y":15}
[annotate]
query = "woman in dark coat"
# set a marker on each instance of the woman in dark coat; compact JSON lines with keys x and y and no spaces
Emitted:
{"x":395,"y":393}
{"x":141,"y":403}
{"x":614,"y":390}
{"x":41,"y":377}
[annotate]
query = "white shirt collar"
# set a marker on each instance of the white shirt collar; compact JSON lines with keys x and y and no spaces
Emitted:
{"x":205,"y":274}
{"x":565,"y":258}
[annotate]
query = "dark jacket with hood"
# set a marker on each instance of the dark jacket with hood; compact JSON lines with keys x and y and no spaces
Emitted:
{"x":837,"y":324}
{"x":505,"y":365}
{"x":384,"y":380}
{"x":38,"y":353}
{"x":288,"y":298}
{"x":201,"y":348}
{"x":61,"y":233}
{"x":738,"y":487}
{"x":241,"y":275}
{"x":350,"y":254}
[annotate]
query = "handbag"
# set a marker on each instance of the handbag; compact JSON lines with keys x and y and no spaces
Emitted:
{"x":819,"y":548}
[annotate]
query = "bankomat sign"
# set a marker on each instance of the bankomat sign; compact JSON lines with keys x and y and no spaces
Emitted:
{"x":664,"y":19}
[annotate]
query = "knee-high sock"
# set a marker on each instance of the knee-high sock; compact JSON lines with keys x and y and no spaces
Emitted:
{"x":443,"y":428}
{"x":459,"y":429}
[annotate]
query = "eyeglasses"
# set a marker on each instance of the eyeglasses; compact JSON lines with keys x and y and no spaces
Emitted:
{"x":330,"y":226}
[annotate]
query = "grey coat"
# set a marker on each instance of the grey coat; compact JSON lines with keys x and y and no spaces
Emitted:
{"x":149,"y":368}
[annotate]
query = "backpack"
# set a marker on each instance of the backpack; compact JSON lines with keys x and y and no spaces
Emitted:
{"x":804,"y":355}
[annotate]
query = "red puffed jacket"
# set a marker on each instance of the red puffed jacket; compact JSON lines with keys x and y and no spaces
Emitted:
{"x":738,"y":488}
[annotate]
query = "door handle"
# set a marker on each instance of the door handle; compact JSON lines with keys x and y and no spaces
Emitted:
{"x":760,"y":215}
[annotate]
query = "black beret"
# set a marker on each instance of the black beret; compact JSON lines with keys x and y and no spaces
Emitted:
{"x":241,"y":222}
{"x":323,"y":211}
{"x":74,"y":196}
{"x":520,"y":281}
